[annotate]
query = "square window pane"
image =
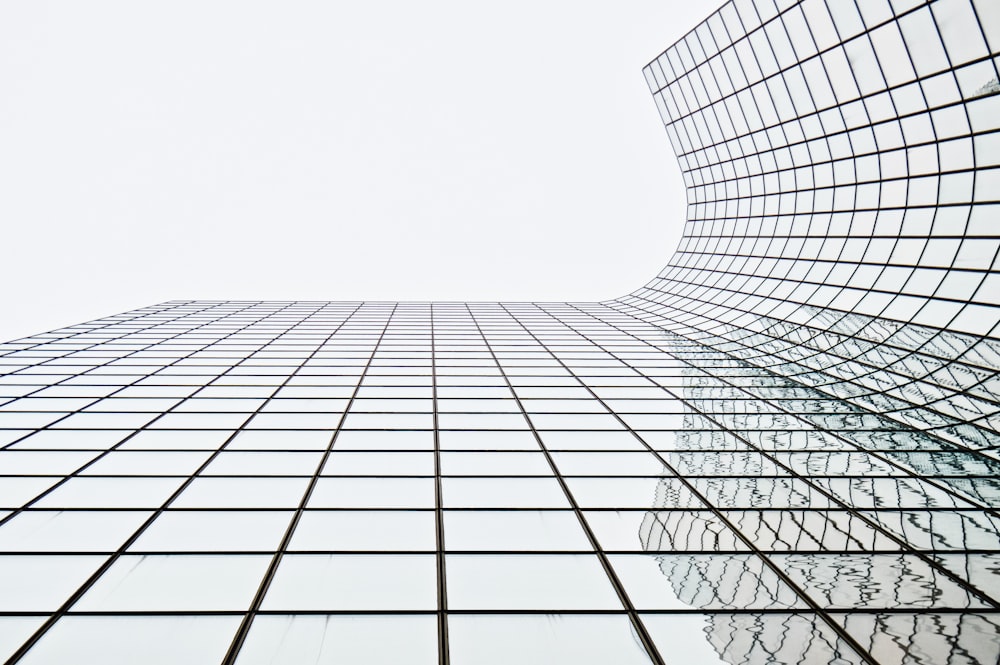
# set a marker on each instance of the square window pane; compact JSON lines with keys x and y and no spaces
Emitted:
{"x":31,"y":462}
{"x":494,"y":464}
{"x":260,"y":463}
{"x":476,"y":440}
{"x":142,"y":463}
{"x":173,"y":582}
{"x":514,"y":530}
{"x":70,"y":531}
{"x":373,"y":493}
{"x":857,"y":581}
{"x":280,"y":440}
{"x":42,"y":583}
{"x":759,"y":493}
{"x":125,"y":640}
{"x":242,"y":493}
{"x":325,"y":640}
{"x":177,"y":440}
{"x":778,"y":638}
{"x":550,"y":639}
{"x":607,"y":464}
{"x":662,"y":531}
{"x":503,"y":493}
{"x":528,"y":582}
{"x":70,"y":439}
{"x":84,"y":492}
{"x":15,"y":492}
{"x":214,"y":531}
{"x":384,"y":440}
{"x":324,"y":582}
{"x":702,"y":581}
{"x":632,"y":493}
{"x":387,"y":530}
{"x":379,"y":464}
{"x":595,"y":440}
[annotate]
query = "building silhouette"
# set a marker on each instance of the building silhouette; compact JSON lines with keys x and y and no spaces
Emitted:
{"x":782,"y":449}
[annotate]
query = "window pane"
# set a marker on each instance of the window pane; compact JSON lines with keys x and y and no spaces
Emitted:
{"x":325,"y":640}
{"x":523,"y":582}
{"x":514,"y":530}
{"x":42,"y":583}
{"x":214,"y":531}
{"x":125,"y":640}
{"x":158,"y":583}
{"x":320,"y":582}
{"x":387,"y":530}
{"x":551,"y":639}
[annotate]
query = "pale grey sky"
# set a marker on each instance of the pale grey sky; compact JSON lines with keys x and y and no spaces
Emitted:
{"x":309,"y":149}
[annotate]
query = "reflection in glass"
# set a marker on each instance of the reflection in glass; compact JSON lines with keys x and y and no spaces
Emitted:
{"x":747,"y":639}
{"x":781,"y":449}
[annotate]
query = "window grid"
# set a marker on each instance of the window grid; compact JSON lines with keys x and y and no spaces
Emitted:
{"x":781,"y":449}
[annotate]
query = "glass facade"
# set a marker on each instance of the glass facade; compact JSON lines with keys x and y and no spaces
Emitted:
{"x":783,"y":449}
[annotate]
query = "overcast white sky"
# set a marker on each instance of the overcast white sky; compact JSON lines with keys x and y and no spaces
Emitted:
{"x":309,"y":149}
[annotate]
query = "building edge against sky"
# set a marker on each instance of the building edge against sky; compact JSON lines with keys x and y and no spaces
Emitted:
{"x":843,"y":166}
{"x":781,"y":449}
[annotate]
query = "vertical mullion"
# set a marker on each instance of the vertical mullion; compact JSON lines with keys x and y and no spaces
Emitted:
{"x":241,"y":634}
{"x":637,"y":625}
{"x":442,"y":580}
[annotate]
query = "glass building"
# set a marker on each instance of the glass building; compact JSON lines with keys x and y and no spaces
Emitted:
{"x":783,"y":449}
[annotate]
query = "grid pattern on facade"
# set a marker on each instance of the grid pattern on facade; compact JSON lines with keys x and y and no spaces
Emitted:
{"x":287,"y":482}
{"x":843,"y":166}
{"x":781,"y":450}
